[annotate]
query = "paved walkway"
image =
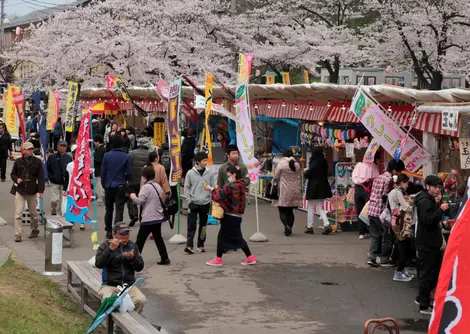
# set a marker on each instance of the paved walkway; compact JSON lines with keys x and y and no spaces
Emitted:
{"x":302,"y":283}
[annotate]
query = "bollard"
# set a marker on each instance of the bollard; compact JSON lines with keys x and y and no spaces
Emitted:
{"x":53,"y":260}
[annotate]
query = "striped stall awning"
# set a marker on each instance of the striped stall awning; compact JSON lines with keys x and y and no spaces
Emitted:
{"x":432,"y":122}
{"x":305,"y":111}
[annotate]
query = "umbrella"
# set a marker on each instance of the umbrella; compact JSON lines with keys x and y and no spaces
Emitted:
{"x":111,"y":304}
{"x":105,"y":108}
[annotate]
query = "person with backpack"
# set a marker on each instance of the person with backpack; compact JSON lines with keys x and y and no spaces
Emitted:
{"x":363,"y":175}
{"x":429,"y":240}
{"x":57,"y":132}
{"x":399,"y":206}
{"x":381,"y":245}
{"x":198,"y":201}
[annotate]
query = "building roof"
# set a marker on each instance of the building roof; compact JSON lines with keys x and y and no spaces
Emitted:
{"x":43,"y":14}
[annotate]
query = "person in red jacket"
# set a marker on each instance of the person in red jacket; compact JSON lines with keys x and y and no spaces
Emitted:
{"x":232,"y":198}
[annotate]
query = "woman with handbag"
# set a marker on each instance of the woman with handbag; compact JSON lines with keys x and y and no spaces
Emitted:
{"x":287,"y":178}
{"x":154,"y":213}
{"x":398,"y":207}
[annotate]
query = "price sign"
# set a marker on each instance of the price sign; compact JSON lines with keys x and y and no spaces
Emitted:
{"x":450,"y":120}
{"x":464,"y":153}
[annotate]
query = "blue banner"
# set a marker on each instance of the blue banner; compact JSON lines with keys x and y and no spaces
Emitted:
{"x":43,"y":134}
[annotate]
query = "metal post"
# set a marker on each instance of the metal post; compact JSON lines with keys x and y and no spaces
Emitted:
{"x":53,"y":260}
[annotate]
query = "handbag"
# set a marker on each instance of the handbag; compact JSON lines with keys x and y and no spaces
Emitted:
{"x":217,"y":211}
{"x":166,"y":214}
{"x":272,"y":191}
{"x":13,"y":189}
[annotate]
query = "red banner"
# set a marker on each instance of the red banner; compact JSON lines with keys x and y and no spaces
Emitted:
{"x":452,"y":298}
{"x":80,"y":193}
{"x":18,"y":99}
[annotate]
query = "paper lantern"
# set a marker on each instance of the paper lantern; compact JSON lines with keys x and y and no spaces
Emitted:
{"x":341,"y":136}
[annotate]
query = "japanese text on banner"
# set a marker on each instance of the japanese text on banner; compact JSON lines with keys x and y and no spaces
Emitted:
{"x":464,"y":153}
{"x":80,"y":193}
{"x":72,"y":105}
{"x":245,"y":140}
{"x":158,"y":133}
{"x":174,"y":136}
{"x":387,"y":133}
{"x":52,"y":110}
{"x":209,"y":89}
{"x":18,"y":99}
{"x":10,"y":115}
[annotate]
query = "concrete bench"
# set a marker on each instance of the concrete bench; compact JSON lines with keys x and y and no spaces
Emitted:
{"x":84,"y":281}
{"x":66,"y":226}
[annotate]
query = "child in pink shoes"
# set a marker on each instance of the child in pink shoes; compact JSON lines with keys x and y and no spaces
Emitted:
{"x":232,"y":199}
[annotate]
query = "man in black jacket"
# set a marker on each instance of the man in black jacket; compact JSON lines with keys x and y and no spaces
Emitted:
{"x":5,"y":150}
{"x":28,"y":178}
{"x":139,"y":158}
{"x":119,"y":259}
{"x":98,"y":157}
{"x":58,"y":176}
{"x":429,"y":240}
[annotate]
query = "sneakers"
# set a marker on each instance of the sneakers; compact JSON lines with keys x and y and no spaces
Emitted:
{"x":327,"y":230}
{"x":309,"y":230}
{"x":164,"y":262}
{"x":401,"y":277}
{"x":249,"y":260}
{"x":216,"y":262}
{"x":372,"y":262}
{"x":189,"y":250}
{"x":407,"y":274}
{"x":82,"y":227}
{"x":18,"y":238}
{"x":201,"y":249}
{"x":362,"y":236}
{"x":287,"y":231}
{"x":34,"y":234}
{"x":384,"y":263}
{"x":109,"y":235}
{"x":426,"y":311}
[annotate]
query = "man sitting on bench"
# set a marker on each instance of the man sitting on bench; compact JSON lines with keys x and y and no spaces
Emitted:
{"x":119,"y":259}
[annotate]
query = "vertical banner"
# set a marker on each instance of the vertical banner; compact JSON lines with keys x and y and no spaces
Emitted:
{"x":80,"y":193}
{"x":11,"y":117}
{"x":386,"y":131}
{"x":159,"y":133}
{"x":72,"y":105}
{"x":18,"y":99}
{"x":43,"y":135}
{"x":371,"y":150}
{"x":174,"y":135}
{"x":286,"y":78}
{"x":52,"y":110}
{"x":209,"y":90}
{"x":245,"y":140}
{"x":270,"y":79}
{"x":306,"y":77}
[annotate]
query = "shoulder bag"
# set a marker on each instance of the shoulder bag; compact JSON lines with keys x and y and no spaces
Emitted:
{"x":166,"y":213}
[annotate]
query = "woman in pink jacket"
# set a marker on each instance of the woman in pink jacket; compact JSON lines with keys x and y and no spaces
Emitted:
{"x":287,"y":177}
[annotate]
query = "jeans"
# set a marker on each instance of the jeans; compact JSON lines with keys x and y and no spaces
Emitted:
{"x":429,"y":265}
{"x":287,"y":216}
{"x":114,"y":196}
{"x":132,"y":208}
{"x":193,"y":212}
{"x":360,"y":197}
{"x":404,"y":248}
{"x":321,"y":212}
{"x":380,"y":240}
{"x":3,"y":165}
{"x":156,"y":230}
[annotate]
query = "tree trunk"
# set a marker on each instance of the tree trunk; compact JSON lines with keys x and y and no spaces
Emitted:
{"x":436,"y":81}
{"x":333,"y":70}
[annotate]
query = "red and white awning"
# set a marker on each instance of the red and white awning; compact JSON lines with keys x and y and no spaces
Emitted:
{"x":302,"y":110}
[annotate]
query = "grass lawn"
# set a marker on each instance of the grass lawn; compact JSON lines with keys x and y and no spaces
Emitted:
{"x":33,"y":304}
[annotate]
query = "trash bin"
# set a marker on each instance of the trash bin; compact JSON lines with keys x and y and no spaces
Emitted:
{"x":53,"y":260}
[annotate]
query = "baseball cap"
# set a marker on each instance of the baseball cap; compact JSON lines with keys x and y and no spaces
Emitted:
{"x":62,"y":143}
{"x":121,"y":227}
{"x":73,"y":148}
{"x":28,"y":146}
{"x":432,"y":180}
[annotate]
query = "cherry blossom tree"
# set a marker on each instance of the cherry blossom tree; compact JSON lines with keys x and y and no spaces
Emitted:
{"x":431,"y":37}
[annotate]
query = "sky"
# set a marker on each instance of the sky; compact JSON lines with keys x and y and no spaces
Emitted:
{"x":23,"y":7}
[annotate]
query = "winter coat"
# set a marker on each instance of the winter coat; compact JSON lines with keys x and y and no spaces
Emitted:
{"x":116,"y":169}
{"x":152,"y":210}
{"x":139,"y":159}
{"x":100,"y":151}
{"x":290,"y":194}
{"x":428,"y":229}
{"x":194,"y":189}
{"x":317,"y":176}
{"x":31,"y":172}
{"x":57,"y":168}
{"x":5,"y":144}
{"x":117,"y":270}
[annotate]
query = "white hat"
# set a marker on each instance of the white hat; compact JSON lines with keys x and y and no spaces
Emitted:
{"x":73,"y":148}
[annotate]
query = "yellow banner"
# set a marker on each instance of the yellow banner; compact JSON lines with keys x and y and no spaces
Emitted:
{"x":270,"y":80}
{"x":158,"y":133}
{"x":11,"y":118}
{"x":72,"y":98}
{"x":122,"y":88}
{"x":52,"y":110}
{"x":286,"y":78}
{"x":209,"y":90}
{"x":306,"y":77}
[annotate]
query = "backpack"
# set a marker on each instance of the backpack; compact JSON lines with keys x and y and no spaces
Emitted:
{"x":57,"y":132}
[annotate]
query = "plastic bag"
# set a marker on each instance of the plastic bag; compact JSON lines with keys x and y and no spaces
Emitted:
{"x":350,"y":195}
{"x":364,"y":216}
{"x":217,"y":211}
{"x":127,"y":304}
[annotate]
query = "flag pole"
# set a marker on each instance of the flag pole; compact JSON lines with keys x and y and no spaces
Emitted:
{"x":94,"y":234}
